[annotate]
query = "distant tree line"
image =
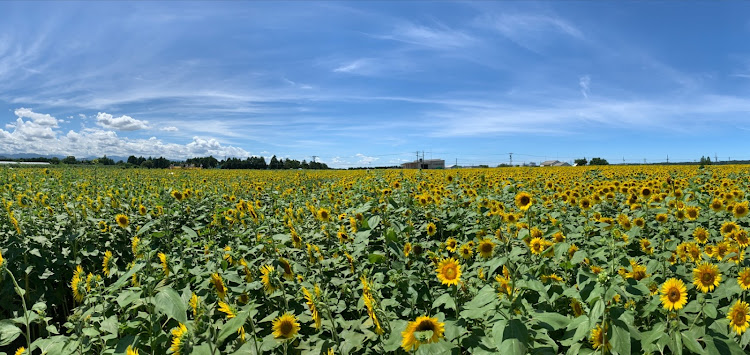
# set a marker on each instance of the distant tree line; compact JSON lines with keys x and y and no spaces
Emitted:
{"x":594,"y":161}
{"x":209,"y":162}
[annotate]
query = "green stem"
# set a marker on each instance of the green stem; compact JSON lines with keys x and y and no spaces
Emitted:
{"x":25,"y":309}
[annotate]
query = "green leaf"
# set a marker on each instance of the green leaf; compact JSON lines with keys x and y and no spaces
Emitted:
{"x":620,"y":339}
{"x":8,"y":332}
{"x":169,"y":302}
{"x":446,"y":300}
{"x":552,"y":321}
{"x":376,"y":258}
{"x":373,"y":222}
{"x":146,"y":227}
{"x":125,"y":278}
{"x":692,"y":344}
{"x":232,"y":326}
{"x":190,"y":232}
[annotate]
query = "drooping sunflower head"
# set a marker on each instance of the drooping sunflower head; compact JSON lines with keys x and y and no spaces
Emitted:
{"x":728,"y":227}
{"x":577,"y":307}
{"x":673,"y":294}
{"x":407,"y":249}
{"x":706,"y":277}
{"x":485,"y":248}
{"x":287,"y":267}
{"x":449,"y":272}
{"x":524,"y":201}
{"x":106,"y":263}
{"x":741,"y":237}
{"x":122,"y":220}
{"x":218,"y":283}
{"x":423,"y":330}
{"x":285,"y":326}
{"x":739,"y":317}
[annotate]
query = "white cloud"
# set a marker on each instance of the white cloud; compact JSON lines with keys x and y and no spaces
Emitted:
{"x":533,"y":32}
{"x":82,"y":116}
{"x":437,"y":38}
{"x":169,"y":129}
{"x":33,"y":133}
{"x":584,"y":83}
{"x":122,"y":123}
{"x":363,"y":159}
{"x":38,"y":118}
{"x":354,"y":66}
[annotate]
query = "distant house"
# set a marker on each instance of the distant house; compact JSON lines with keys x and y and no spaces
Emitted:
{"x":424,"y":164}
{"x":554,"y":163}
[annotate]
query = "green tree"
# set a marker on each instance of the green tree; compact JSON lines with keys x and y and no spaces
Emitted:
{"x":598,"y":161}
{"x":581,"y":162}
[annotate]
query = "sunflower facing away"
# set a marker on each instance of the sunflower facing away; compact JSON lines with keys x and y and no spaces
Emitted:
{"x":739,"y":317}
{"x":285,"y":326}
{"x":673,"y":294}
{"x":310,"y":300}
{"x":706,"y":277}
{"x":449,"y":272}
{"x":177,"y":338}
{"x":424,"y":330}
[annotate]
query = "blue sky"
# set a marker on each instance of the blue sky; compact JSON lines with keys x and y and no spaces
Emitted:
{"x":370,"y":83}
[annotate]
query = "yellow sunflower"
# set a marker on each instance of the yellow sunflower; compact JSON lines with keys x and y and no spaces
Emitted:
{"x":599,"y":337}
{"x":577,"y":307}
{"x":701,"y":235}
{"x":226,"y":308}
{"x":431,"y":229}
{"x":164,"y":264}
{"x":524,"y":201}
{"x":267,"y":270}
{"x":177,"y":195}
{"x":743,"y":278}
{"x":287,"y":267}
{"x":407,"y":249}
{"x":129,"y":351}
{"x":466,"y":251}
{"x":218,"y":283}
{"x":729,"y":227}
{"x":449,"y":272}
{"x":740,"y":209}
{"x":717,"y":205}
{"x":485,"y":248}
{"x":177,"y":338}
{"x":673,"y":294}
{"x":424,"y":330}
{"x":285,"y":326}
{"x":451,"y":245}
{"x":105,"y":263}
{"x":324,"y":214}
{"x":310,"y":300}
{"x":739,"y":317}
{"x":122,"y":220}
{"x":692,"y":212}
{"x":537,"y":246}
{"x":706,"y":277}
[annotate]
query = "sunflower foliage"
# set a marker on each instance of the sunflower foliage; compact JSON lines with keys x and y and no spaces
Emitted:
{"x":608,"y":259}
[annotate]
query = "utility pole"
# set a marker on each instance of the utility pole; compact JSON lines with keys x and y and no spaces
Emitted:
{"x":314,"y":157}
{"x":644,"y":160}
{"x":511,"y":158}
{"x":667,"y":158}
{"x":716,"y":158}
{"x":456,"y":163}
{"x":417,"y":157}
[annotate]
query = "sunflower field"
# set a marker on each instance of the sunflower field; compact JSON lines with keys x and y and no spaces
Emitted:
{"x":617,"y":259}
